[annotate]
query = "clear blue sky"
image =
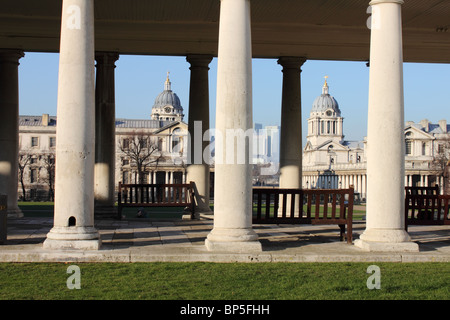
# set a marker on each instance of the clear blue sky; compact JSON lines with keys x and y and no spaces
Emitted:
{"x":139,"y":79}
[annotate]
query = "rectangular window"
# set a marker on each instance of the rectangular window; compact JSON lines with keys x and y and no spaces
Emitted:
{"x":34,"y":141}
{"x":33,"y":175}
{"x":143,"y":143}
{"x":52,"y":142}
{"x":126,"y":144}
{"x":408,"y":147}
{"x":126,"y":177}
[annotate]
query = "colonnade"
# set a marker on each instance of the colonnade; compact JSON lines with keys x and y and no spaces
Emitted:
{"x":336,"y":180}
{"x":342,"y":180}
{"x":232,"y":231}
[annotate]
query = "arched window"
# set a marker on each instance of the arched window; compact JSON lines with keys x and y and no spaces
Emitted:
{"x":176,"y":140}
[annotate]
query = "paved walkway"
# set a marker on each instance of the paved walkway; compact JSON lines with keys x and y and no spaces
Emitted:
{"x":144,"y":240}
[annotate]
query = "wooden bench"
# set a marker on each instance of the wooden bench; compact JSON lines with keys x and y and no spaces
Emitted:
{"x":156,"y":195}
{"x":425,"y":206}
{"x":318,"y":206}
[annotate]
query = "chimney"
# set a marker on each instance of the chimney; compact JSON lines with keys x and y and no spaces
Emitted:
{"x":425,"y":124}
{"x":45,"y":119}
{"x":443,"y":125}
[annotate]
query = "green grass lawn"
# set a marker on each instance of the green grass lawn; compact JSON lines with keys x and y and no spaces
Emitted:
{"x":231,"y":281}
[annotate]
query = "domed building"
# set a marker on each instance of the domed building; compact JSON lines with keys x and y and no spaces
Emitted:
{"x":325,"y":121}
{"x":330,"y":162}
{"x":167,"y":106}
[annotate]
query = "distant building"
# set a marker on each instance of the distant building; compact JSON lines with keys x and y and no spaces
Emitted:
{"x":165,"y":130}
{"x":329,"y":161}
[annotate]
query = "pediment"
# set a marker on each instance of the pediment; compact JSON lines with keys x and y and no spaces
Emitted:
{"x":412,"y":132}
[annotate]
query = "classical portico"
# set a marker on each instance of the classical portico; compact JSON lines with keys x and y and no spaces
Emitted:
{"x":290,"y":32}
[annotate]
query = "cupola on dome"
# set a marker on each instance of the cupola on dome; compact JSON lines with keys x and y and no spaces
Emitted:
{"x":325,"y":102}
{"x":167,"y":106}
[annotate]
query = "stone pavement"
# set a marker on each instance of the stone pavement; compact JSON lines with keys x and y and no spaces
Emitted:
{"x":145,"y":240}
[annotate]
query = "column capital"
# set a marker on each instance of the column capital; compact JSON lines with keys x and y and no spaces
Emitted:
{"x":11,"y":55}
{"x":373,"y":2}
{"x":106,"y":58}
{"x":291,"y":62}
{"x":199,"y":60}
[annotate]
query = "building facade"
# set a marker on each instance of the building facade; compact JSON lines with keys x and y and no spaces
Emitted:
{"x":157,"y":144}
{"x":330,"y":161}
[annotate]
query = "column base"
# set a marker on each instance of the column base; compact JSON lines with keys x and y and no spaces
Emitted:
{"x":84,"y":238}
{"x":15,"y":213}
{"x":233,"y":240}
{"x":188,"y":216}
{"x":386,"y":240}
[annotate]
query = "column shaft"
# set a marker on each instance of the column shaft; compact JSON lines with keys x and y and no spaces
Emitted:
{"x":233,"y":175}
{"x":291,"y":124}
{"x":198,"y":124}
{"x":74,"y":183}
{"x":105,"y":145}
{"x":9,"y":128}
{"x":385,"y":136}
{"x":291,"y":127}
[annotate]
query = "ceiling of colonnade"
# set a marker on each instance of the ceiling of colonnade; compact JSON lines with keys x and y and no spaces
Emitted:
{"x":315,"y":29}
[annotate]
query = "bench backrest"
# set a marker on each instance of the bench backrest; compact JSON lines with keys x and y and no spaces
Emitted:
{"x":426,"y":209}
{"x":303,"y":205}
{"x":181,"y":194}
{"x":422,"y":190}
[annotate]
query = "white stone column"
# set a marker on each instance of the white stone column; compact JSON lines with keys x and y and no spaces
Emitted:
{"x":364,"y":186}
{"x":9,"y":128}
{"x":291,"y":126}
{"x":385,"y":134}
{"x":198,"y":124}
{"x":105,"y":130}
{"x":74,"y":184}
{"x":233,"y":175}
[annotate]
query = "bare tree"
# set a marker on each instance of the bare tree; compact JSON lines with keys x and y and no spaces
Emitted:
{"x":142,"y":151}
{"x":441,"y":162}
{"x":49,"y":165}
{"x":24,"y":161}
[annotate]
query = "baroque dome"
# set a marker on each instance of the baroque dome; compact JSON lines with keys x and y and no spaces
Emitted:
{"x":167,"y":97}
{"x":167,"y":105}
{"x":326,"y":102}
